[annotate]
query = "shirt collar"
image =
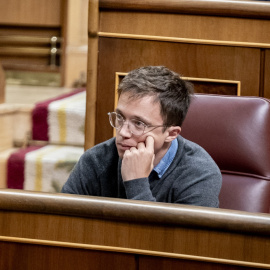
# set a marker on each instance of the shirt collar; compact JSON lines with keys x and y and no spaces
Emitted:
{"x":166,"y":161}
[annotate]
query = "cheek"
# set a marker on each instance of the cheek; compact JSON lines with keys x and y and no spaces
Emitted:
{"x":159,"y":143}
{"x":157,"y":146}
{"x":138,"y":140}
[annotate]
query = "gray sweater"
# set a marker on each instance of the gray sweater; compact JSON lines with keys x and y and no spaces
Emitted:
{"x":192,"y":178}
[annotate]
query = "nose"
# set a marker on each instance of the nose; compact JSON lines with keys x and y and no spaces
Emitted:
{"x":124,"y":131}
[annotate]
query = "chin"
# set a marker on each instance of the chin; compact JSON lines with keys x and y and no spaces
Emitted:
{"x":120,"y":153}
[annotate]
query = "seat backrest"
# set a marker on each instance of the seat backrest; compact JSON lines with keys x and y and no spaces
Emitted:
{"x":235,"y":132}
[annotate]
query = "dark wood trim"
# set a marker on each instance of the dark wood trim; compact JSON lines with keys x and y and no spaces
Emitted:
{"x":63,"y":29}
{"x":92,"y":73}
{"x":232,"y":8}
{"x":262,"y":73}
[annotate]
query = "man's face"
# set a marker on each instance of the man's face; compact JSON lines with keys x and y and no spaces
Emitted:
{"x":147,"y":111}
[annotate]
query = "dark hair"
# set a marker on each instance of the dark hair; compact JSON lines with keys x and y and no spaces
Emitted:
{"x":173,"y":93}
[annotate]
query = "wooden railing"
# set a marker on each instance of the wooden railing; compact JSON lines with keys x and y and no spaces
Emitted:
{"x":231,"y":8}
{"x":69,"y":231}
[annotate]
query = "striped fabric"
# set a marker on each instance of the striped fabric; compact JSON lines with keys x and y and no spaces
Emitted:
{"x":15,"y":167}
{"x":60,"y":121}
{"x":66,"y":120}
{"x":42,"y":168}
{"x":42,"y":117}
{"x":48,"y":168}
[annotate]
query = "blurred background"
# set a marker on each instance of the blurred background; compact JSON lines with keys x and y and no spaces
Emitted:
{"x":43,"y":48}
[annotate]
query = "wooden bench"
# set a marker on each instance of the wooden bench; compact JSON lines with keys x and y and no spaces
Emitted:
{"x":60,"y":231}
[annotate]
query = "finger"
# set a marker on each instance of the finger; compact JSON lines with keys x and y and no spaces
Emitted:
{"x":126,"y":153}
{"x":132,"y":149}
{"x":141,"y":145}
{"x":149,"y":143}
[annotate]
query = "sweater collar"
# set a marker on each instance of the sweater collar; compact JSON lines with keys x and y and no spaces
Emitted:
{"x":166,"y":161}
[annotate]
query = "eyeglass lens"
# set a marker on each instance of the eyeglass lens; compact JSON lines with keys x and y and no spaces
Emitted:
{"x":136,"y":127}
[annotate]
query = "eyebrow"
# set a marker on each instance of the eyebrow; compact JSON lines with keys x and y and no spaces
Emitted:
{"x":134,"y":117}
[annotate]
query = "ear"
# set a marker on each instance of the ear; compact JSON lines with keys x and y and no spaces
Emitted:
{"x":173,"y":132}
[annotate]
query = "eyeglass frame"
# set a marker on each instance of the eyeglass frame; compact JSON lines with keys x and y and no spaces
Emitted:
{"x":145,"y":125}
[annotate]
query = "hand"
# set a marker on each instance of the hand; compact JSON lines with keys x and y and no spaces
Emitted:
{"x":138,"y":162}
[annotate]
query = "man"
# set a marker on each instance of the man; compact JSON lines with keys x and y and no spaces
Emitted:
{"x":148,"y":159}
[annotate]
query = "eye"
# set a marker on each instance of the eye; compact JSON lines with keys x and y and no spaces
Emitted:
{"x":119,"y":117}
{"x":138,"y":124}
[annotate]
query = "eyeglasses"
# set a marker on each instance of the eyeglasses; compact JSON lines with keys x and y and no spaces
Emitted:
{"x":136,"y":127}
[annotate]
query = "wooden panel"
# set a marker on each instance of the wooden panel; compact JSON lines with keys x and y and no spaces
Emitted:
{"x":201,"y":85}
{"x":29,"y":31}
{"x":189,"y":60}
{"x":215,"y":87}
{"x":146,"y":263}
{"x":21,"y":256}
{"x":192,"y":26}
{"x":92,"y":71}
{"x":7,"y":114}
{"x":266,"y":74}
{"x":51,"y":225}
{"x":76,"y":41}
{"x":31,"y":12}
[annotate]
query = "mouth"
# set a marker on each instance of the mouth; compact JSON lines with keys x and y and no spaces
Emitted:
{"x":123,"y":146}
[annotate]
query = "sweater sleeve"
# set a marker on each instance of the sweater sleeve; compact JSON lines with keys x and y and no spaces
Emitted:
{"x":79,"y":179}
{"x":202,"y":190}
{"x":139,"y":189}
{"x":95,"y":163}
